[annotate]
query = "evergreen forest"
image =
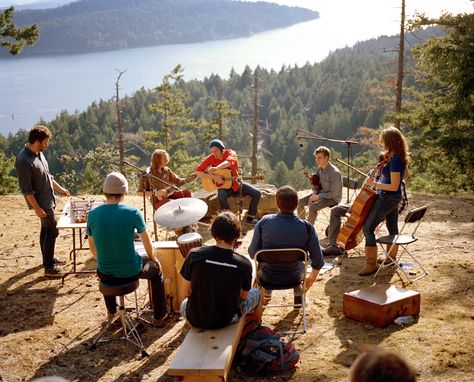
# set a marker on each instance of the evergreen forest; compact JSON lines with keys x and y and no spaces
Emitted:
{"x":91,"y":25}
{"x":349,"y":95}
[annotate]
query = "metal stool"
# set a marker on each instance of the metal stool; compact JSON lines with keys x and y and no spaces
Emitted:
{"x":129,"y":328}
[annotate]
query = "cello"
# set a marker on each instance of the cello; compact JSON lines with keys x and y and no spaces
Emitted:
{"x":351,"y":234}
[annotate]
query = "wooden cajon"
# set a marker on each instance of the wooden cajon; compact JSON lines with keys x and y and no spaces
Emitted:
{"x":380,"y":304}
{"x":167,"y":252}
{"x":206,"y":355}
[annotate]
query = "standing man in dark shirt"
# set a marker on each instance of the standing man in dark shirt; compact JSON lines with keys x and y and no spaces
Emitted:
{"x":38,"y":187}
{"x":331,"y":187}
{"x":216,"y":281}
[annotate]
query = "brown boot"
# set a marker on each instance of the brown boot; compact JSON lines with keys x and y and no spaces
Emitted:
{"x":393,"y":254}
{"x":370,"y":261}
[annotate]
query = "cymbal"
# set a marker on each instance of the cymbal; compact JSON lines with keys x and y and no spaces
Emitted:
{"x":180,"y":212}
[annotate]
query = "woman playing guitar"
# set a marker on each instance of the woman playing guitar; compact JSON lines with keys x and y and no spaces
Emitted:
{"x":385,"y":206}
{"x":159,"y":191}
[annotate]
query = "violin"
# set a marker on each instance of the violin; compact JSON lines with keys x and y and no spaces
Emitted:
{"x":314,"y":180}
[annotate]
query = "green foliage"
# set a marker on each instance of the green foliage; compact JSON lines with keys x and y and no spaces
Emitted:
{"x":8,"y":183}
{"x":12,"y":37}
{"x":442,"y":114}
{"x":91,"y":25}
{"x":173,"y":112}
{"x":280,"y":174}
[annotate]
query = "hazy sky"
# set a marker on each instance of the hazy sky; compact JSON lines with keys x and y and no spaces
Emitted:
{"x":431,"y":7}
{"x":384,"y":13}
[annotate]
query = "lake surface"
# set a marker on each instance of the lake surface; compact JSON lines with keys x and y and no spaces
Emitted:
{"x":40,"y":87}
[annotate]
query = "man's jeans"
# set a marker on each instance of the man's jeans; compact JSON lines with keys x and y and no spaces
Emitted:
{"x":48,"y":234}
{"x":247,"y":189}
{"x":313,"y":207}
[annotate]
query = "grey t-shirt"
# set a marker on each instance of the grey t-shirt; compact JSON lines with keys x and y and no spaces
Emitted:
{"x":34,"y":178}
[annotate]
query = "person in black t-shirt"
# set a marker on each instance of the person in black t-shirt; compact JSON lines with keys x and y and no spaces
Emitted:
{"x":216,"y":281}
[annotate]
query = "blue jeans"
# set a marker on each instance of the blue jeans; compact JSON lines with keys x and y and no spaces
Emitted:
{"x":48,"y":234}
{"x":247,"y":189}
{"x":385,"y":207}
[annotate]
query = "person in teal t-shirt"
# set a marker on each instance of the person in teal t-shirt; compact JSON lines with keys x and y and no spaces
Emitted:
{"x":111,"y":230}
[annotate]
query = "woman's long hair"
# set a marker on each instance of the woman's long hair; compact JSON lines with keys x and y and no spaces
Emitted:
{"x":156,"y":158}
{"x":395,"y":143}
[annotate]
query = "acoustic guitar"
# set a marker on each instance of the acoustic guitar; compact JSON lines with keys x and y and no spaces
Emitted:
{"x":226,"y":176}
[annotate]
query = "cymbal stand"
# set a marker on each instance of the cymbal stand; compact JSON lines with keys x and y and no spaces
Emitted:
{"x":302,"y":134}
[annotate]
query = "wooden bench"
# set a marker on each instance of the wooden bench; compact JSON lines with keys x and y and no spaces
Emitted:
{"x":206,"y":355}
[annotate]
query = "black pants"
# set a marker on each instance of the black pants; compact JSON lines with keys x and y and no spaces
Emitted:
{"x":48,"y":234}
{"x":150,"y":272}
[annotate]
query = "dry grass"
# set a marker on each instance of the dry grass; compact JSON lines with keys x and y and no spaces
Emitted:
{"x":45,"y":326}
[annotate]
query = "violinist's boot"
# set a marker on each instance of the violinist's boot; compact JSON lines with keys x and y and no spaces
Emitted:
{"x":370,"y":261}
{"x":393,"y":254}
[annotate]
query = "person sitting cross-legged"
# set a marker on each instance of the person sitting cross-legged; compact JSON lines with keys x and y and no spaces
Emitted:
{"x":286,"y":230}
{"x":216,"y":280}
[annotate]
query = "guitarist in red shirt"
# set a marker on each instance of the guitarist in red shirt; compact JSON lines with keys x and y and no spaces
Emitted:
{"x":222,"y":158}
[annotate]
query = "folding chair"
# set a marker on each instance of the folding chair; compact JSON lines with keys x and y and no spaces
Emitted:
{"x":402,"y":240}
{"x":281,"y":257}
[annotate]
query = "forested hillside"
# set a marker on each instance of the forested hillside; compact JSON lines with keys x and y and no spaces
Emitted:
{"x":351,"y":88}
{"x":91,"y":25}
{"x":347,"y":95}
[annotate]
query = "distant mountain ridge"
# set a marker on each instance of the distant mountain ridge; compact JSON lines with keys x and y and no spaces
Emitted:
{"x":91,"y":25}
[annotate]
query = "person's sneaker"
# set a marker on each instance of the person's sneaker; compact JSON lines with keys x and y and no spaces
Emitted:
{"x":53,"y":271}
{"x":57,"y":261}
{"x":332,"y":250}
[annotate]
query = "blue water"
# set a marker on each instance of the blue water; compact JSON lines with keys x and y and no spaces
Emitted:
{"x":40,"y":87}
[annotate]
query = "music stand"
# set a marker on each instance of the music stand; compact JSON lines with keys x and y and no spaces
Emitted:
{"x":301,"y":134}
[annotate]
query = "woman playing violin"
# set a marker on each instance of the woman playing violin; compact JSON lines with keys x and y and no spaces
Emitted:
{"x":389,"y":195}
{"x":160,"y":192}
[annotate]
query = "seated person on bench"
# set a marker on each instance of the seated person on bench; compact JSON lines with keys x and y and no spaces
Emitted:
{"x":286,"y":230}
{"x":216,"y":281}
{"x":111,"y":231}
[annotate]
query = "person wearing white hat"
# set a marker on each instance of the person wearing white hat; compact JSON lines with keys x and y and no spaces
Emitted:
{"x":111,"y":231}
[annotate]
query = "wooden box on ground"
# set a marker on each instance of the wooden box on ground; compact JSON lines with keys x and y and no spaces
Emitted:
{"x":206,"y":355}
{"x":380,"y":304}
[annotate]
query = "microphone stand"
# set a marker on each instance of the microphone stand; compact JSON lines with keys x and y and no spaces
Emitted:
{"x":302,"y":134}
{"x":148,"y":174}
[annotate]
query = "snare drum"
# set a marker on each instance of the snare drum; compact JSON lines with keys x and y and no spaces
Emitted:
{"x":188,"y":241}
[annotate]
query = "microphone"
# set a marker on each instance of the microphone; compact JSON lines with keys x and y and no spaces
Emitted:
{"x":299,"y":139}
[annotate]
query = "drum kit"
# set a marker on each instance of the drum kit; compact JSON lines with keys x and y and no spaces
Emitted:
{"x":180,"y":213}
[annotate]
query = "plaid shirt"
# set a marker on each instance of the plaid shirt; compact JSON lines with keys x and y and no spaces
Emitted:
{"x":402,"y":206}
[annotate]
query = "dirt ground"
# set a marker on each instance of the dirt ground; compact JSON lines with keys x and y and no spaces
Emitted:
{"x":45,"y":326}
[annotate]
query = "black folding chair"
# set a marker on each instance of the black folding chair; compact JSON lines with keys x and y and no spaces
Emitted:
{"x":389,"y":245}
{"x":282,"y":256}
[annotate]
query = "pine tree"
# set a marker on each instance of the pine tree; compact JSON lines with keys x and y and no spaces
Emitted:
{"x":12,"y":37}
